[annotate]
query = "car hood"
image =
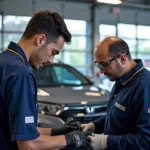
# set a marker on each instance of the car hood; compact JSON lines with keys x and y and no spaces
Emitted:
{"x":68,"y":95}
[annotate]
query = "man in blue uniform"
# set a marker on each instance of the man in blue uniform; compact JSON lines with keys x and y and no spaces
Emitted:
{"x":43,"y":38}
{"x":127,"y":124}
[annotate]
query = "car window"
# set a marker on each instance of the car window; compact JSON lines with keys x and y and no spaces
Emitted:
{"x":43,"y":76}
{"x":56,"y":75}
{"x":65,"y":76}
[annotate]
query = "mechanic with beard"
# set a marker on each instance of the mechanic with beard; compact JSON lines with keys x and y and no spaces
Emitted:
{"x":127,"y":123}
{"x":43,"y":38}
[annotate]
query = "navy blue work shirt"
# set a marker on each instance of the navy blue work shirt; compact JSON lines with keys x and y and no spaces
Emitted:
{"x":127,"y":123}
{"x":18,"y":99}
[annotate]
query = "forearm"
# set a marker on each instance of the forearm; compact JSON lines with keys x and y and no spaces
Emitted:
{"x":51,"y":142}
{"x":44,"y":131}
{"x":43,"y":142}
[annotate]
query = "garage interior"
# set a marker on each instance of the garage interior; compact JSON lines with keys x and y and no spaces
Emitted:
{"x":71,"y":90}
{"x":87,"y":20}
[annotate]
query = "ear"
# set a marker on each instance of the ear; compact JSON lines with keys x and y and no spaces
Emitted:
{"x":122,"y":59}
{"x":40,"y":40}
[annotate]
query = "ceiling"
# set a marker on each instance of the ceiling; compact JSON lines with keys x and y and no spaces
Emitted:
{"x":125,"y":2}
{"x":141,"y":2}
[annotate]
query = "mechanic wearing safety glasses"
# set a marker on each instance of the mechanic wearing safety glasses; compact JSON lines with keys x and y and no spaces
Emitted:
{"x":127,"y":123}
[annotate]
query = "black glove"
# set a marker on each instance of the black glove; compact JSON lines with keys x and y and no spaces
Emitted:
{"x":63,"y":130}
{"x":78,"y":139}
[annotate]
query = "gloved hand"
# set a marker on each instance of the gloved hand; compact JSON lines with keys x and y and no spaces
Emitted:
{"x":88,"y":127}
{"x":98,"y":142}
{"x":78,"y":139}
{"x":63,"y":130}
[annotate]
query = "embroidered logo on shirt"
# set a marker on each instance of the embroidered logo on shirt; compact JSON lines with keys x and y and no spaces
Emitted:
{"x":148,"y":110}
{"x":29,"y":119}
{"x":120,"y":106}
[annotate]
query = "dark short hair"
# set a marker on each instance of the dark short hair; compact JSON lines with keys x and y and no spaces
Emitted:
{"x":119,"y":46}
{"x":49,"y":23}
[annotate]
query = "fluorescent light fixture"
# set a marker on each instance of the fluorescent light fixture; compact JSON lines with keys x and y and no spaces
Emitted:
{"x":110,"y":1}
{"x":92,"y":94}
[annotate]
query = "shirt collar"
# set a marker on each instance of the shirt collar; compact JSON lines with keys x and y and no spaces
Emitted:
{"x":126,"y":78}
{"x":15,"y":47}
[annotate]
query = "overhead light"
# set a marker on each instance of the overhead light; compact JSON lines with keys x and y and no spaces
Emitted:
{"x":110,"y":1}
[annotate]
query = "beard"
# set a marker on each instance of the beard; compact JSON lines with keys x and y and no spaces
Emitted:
{"x":111,"y":77}
{"x":34,"y":67}
{"x":35,"y":60}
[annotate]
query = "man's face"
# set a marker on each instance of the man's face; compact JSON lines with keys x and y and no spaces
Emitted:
{"x":109,"y":65}
{"x":46,"y":53}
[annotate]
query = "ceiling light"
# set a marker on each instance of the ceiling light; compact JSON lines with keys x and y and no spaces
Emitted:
{"x":110,"y":1}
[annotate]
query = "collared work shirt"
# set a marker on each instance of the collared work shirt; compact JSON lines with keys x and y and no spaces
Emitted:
{"x":18,"y":99}
{"x":127,"y":123}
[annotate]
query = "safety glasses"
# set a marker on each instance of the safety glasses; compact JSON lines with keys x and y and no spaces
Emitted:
{"x":104,"y":65}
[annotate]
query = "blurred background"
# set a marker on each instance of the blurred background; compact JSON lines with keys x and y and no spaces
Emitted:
{"x":89,"y":21}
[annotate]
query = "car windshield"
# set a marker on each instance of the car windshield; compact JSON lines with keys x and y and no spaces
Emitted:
{"x":59,"y":75}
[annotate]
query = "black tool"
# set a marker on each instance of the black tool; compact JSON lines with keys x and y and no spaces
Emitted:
{"x":77,"y":126}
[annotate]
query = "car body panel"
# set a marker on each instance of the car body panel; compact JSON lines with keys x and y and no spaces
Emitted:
{"x":64,"y":92}
{"x":65,"y":95}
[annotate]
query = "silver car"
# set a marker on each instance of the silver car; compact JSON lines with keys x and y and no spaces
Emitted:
{"x":64,"y":92}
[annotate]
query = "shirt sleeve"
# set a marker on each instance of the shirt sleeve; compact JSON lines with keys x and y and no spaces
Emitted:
{"x":99,"y":124}
{"x":141,"y":139}
{"x":22,"y":97}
